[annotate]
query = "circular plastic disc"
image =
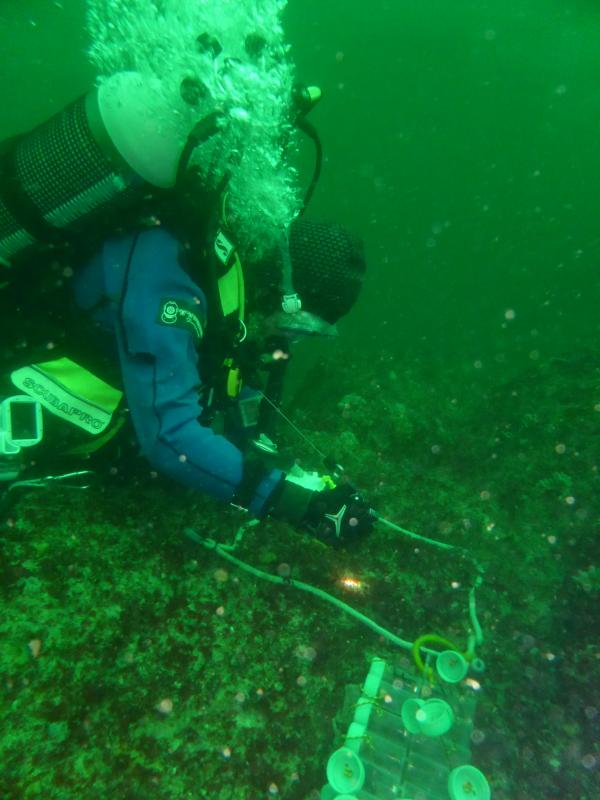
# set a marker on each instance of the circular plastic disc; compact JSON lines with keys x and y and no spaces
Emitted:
{"x":327,"y":793}
{"x":451,"y":666}
{"x":468,"y":783}
{"x":439,"y":717}
{"x":410,"y":709}
{"x":345,"y":771}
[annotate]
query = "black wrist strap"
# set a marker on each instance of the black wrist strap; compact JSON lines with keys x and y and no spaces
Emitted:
{"x":255,"y":470}
{"x":292,"y":502}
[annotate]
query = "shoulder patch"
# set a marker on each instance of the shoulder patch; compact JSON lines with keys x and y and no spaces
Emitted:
{"x":178,"y":314}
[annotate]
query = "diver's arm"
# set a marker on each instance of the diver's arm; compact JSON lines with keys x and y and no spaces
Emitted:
{"x":161,"y":371}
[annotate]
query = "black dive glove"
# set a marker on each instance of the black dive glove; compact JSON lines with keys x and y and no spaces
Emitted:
{"x":336,"y":516}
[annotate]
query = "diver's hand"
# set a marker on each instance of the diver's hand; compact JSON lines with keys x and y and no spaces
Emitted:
{"x":339,"y":516}
{"x":336,"y":516}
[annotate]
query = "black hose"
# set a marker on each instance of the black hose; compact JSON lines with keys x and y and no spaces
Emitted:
{"x":309,"y":129}
{"x":199,"y":134}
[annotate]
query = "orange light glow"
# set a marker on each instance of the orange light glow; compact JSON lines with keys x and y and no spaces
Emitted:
{"x":352,"y":584}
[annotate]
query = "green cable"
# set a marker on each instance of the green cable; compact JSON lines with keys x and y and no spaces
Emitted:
{"x":434,"y":542}
{"x":445,"y":546}
{"x":477,"y":637}
{"x":412,"y":535}
{"x":210,"y":544}
{"x":417,"y":647}
{"x":473,"y":613}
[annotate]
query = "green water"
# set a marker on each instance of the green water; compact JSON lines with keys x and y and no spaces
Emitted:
{"x":462,"y":140}
{"x":480,"y":119}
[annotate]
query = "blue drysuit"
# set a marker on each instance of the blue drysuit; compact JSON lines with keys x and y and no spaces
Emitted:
{"x":131,"y":287}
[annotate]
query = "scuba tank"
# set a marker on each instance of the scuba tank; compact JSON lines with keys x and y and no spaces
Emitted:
{"x":110,"y":147}
{"x":100,"y":154}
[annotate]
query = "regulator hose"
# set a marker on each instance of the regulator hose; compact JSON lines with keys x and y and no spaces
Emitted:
{"x":200,"y":133}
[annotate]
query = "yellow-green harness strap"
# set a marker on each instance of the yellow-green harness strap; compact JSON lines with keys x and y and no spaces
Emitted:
{"x":231,"y":284}
{"x":231,"y":290}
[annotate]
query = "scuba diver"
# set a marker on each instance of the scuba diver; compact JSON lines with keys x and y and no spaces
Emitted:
{"x":165,"y":330}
